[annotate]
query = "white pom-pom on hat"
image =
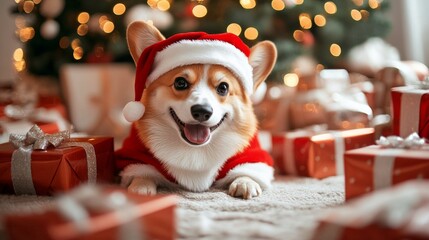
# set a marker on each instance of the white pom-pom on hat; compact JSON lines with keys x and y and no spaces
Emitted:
{"x":133,"y":111}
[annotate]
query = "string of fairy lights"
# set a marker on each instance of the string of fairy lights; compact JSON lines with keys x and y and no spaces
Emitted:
{"x":50,"y":28}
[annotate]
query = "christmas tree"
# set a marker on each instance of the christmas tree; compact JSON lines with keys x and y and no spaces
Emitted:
{"x":55,"y":32}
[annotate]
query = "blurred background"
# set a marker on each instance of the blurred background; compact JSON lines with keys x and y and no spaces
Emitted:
{"x":76,"y":51}
{"x":55,"y":32}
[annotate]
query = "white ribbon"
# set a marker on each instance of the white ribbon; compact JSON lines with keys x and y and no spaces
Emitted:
{"x":339,"y":152}
{"x":289,"y":150}
{"x":413,"y":141}
{"x":384,"y":160}
{"x":91,"y":158}
{"x":410,"y":109}
{"x":383,"y":167}
{"x":35,"y":138}
{"x":22,"y":179}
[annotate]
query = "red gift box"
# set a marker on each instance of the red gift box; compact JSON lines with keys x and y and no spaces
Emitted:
{"x":410,"y":111}
{"x":373,"y":168}
{"x":395,"y":213}
{"x":62,"y":168}
{"x":149,"y":217}
{"x":317,"y":154}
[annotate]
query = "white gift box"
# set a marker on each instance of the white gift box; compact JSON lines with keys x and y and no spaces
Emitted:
{"x":95,"y":96}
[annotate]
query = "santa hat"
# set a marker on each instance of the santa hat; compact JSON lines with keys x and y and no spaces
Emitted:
{"x":182,"y":49}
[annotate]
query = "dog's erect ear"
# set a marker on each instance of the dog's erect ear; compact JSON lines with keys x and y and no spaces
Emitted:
{"x":140,"y":35}
{"x":262,"y":58}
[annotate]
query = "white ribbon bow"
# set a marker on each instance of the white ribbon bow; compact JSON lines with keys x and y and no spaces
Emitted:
{"x":413,"y":141}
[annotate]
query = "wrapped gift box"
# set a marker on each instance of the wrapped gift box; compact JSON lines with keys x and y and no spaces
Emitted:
{"x":317,"y":154}
{"x":96,"y":109}
{"x":112,"y":213}
{"x":374,"y":168}
{"x":410,"y":111}
{"x":62,"y":168}
{"x":395,"y":213}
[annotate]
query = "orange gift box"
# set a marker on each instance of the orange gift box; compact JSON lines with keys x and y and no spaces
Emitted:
{"x":410,"y":111}
{"x":316,"y":154}
{"x":62,"y":168}
{"x":149,"y":217}
{"x":374,"y":168}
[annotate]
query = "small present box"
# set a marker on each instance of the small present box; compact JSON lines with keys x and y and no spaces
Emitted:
{"x":395,"y":213}
{"x":410,"y":111}
{"x":107,"y":213}
{"x":396,"y":74}
{"x":374,"y":168}
{"x":44,"y":172}
{"x":317,"y":154}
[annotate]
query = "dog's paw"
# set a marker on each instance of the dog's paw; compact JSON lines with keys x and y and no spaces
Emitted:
{"x":244,"y":187}
{"x":143,"y":186}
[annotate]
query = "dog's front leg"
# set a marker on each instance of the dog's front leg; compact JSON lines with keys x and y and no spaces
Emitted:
{"x":244,"y":187}
{"x":143,"y":186}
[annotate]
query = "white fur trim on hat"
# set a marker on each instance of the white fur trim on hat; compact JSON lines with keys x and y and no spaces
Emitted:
{"x":133,"y":111}
{"x":187,"y":52}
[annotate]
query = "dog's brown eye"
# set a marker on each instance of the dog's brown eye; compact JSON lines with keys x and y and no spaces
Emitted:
{"x":180,"y":83}
{"x":222,"y":89}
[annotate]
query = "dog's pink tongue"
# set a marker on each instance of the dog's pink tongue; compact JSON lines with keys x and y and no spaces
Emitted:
{"x":197,"y":133}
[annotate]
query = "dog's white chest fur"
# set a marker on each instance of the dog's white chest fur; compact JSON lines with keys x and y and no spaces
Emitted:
{"x":195,"y":168}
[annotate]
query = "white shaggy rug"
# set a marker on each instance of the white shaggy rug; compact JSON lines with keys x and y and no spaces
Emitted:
{"x":289,"y":210}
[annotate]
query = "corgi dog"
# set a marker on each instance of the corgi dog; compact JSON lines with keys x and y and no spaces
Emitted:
{"x":193,"y":124}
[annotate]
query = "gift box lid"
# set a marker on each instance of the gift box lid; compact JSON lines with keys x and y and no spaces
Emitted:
{"x":376,"y":150}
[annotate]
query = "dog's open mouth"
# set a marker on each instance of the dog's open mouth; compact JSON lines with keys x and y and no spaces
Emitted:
{"x":195,"y":134}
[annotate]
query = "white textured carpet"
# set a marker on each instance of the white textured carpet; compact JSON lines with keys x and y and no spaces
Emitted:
{"x":288,"y":211}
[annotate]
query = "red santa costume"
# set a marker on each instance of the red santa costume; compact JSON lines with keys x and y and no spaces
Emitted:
{"x":221,"y":49}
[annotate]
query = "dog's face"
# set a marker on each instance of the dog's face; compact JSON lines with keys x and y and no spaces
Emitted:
{"x":200,"y":100}
{"x":197,"y":116}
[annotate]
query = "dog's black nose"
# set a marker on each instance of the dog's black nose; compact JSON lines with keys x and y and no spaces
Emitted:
{"x":201,"y":112}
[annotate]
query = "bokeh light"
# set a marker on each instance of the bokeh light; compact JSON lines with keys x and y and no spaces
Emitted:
{"x":234,"y":28}
{"x":320,"y":20}
{"x":83,"y":17}
{"x":251,"y":33}
{"x":199,"y":11}
{"x":291,"y":79}
{"x":330,"y":7}
{"x":278,"y":5}
{"x":335,"y":50}
{"x":119,"y":9}
{"x":248,"y":4}
{"x":305,"y":21}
